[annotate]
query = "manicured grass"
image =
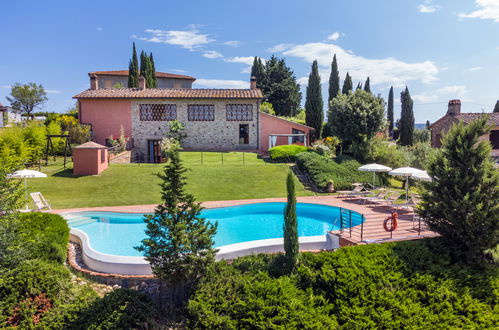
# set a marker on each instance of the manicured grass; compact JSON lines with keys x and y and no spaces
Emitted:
{"x":134,"y":184}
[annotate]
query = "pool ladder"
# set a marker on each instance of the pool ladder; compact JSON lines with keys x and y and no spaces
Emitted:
{"x":346,"y":221}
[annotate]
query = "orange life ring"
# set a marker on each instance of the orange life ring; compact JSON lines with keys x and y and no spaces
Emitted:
{"x":393,"y":220}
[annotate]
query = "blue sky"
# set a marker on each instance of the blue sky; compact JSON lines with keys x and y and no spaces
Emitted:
{"x":440,"y":49}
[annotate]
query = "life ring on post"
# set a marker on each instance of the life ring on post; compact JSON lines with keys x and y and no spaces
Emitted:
{"x":393,"y":222}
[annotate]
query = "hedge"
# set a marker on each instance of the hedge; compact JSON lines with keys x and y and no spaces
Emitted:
{"x":410,"y":284}
{"x":342,"y":170}
{"x":286,"y":153}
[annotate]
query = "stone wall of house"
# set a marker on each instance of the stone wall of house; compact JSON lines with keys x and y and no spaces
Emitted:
{"x":439,"y":128}
{"x":219,"y":134}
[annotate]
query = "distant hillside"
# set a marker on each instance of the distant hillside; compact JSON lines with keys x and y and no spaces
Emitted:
{"x":419,"y":126}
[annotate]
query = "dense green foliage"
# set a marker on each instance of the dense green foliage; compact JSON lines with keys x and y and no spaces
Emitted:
{"x":133,"y":70}
{"x":462,"y":202}
{"x":400,"y":285}
{"x":147,"y":69}
{"x":334,"y":80}
{"x":26,"y":97}
{"x":388,"y":153}
{"x":258,"y":71}
{"x":313,"y":104}
{"x":389,"y":111}
{"x":291,"y":245}
{"x":406,"y":124}
{"x":179,"y":243}
{"x":347,"y":85}
{"x":355,"y":118}
{"x":342,"y":170}
{"x":286,"y":153}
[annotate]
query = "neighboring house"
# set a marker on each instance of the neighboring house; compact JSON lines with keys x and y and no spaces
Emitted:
{"x":109,"y":79}
{"x":3,"y":115}
{"x":9,"y":116}
{"x":454,"y":115}
{"x":215,"y":119}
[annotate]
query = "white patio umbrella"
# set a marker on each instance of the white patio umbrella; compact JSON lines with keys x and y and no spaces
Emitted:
{"x":405,"y":172}
{"x":423,"y":176}
{"x":24,"y":174}
{"x":374,"y":168}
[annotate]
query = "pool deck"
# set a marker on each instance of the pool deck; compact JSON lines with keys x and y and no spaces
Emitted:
{"x":372,"y":229}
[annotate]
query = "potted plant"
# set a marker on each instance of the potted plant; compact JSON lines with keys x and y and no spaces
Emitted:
{"x":330,"y":186}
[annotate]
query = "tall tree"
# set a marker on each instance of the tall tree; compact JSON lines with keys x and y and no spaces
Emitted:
{"x":313,"y":104}
{"x":281,"y":87}
{"x":406,"y":119}
{"x":258,"y":71}
{"x":390,"y":112}
{"x":367,"y":85}
{"x":496,"y":107}
{"x":347,"y":85}
{"x":427,"y":125}
{"x":26,"y":97}
{"x":154,"y":82}
{"x":179,"y":243}
{"x":291,"y":244}
{"x":334,"y":80}
{"x":133,"y":70}
{"x":359,"y":86}
{"x":462,"y":201}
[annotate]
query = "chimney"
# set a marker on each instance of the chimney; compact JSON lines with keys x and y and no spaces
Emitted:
{"x":253,"y":82}
{"x":454,"y":107}
{"x":94,"y":81}
{"x":142,"y":83}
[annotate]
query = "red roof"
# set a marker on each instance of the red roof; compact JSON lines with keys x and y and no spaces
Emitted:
{"x":158,"y":74}
{"x":169,"y":93}
{"x":468,"y":117}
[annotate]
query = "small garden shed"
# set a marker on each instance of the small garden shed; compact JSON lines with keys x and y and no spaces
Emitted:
{"x":89,"y":159}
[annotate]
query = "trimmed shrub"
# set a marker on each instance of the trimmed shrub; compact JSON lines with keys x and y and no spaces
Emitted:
{"x":46,"y":234}
{"x":286,"y":153}
{"x":343,"y":170}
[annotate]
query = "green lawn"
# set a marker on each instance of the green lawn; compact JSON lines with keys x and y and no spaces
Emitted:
{"x":133,"y":184}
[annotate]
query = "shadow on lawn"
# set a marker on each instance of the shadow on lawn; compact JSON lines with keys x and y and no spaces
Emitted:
{"x":68,"y":173}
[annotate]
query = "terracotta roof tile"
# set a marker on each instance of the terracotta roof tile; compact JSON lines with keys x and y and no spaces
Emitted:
{"x":158,"y":74}
{"x":90,"y":145}
{"x":169,"y":93}
{"x":468,"y":117}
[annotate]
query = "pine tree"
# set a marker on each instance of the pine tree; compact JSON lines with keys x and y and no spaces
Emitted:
{"x":291,"y":244}
{"x":347,"y":85}
{"x":334,"y":80}
{"x":179,"y":243}
{"x":462,"y":201}
{"x":367,"y":85}
{"x":496,"y":108}
{"x":154,"y":82}
{"x":133,"y":70}
{"x":258,"y":71}
{"x":313,"y":104}
{"x":281,"y":87}
{"x":390,"y":112}
{"x":406,"y":119}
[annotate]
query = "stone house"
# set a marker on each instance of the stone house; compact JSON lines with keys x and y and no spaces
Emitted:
{"x":215,"y":119}
{"x":454,"y":115}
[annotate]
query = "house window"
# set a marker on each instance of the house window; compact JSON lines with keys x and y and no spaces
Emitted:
{"x":158,"y":112}
{"x":201,"y":112}
{"x":239,"y":112}
{"x":494,"y":139}
{"x":296,"y":139}
{"x":102,"y":156}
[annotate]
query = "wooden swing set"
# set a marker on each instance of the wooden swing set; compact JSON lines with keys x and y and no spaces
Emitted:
{"x":50,"y":147}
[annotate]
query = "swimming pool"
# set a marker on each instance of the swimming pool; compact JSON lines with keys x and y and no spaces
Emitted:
{"x":117,"y":234}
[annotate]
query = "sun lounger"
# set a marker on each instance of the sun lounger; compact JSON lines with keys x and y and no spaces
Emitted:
{"x":413,"y":201}
{"x":388,"y":201}
{"x":355,"y":192}
{"x":380,"y":195}
{"x":40,"y":202}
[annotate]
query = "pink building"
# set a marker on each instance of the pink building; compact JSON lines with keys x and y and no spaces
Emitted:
{"x":89,"y":159}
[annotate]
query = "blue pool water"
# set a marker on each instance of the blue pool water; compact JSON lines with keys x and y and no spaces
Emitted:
{"x":118,"y":233}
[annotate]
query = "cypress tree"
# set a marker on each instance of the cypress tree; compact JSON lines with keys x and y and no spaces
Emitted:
{"x":496,"y":108}
{"x":406,"y":119}
{"x":154,"y":82}
{"x":347,"y":85}
{"x":427,"y":125}
{"x":313,"y":105}
{"x":462,"y":202}
{"x":390,"y":112}
{"x":359,"y":86}
{"x":258,"y":71}
{"x":143,"y":64}
{"x":133,"y":70}
{"x":367,"y":85}
{"x":334,"y":80}
{"x":291,"y":244}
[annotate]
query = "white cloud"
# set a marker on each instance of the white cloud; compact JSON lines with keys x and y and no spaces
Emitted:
{"x":212,"y":54}
{"x":241,"y":59}
{"x":233,"y":43}
{"x":279,"y":48}
{"x":6,"y":86}
{"x":387,"y":71}
{"x":443,"y":94}
{"x":216,"y":83}
{"x":100,"y":29}
{"x":189,"y":39}
{"x":178,"y":70}
{"x":428,"y":7}
{"x":246,"y":70}
{"x":487,"y":9}
{"x":475,"y":68}
{"x":52,"y":91}
{"x":335,"y":36}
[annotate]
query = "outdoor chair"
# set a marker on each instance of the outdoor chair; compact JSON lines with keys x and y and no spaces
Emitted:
{"x":380,"y":195}
{"x":409,"y":205}
{"x":355,"y":192}
{"x":390,"y":199}
{"x":40,"y":202}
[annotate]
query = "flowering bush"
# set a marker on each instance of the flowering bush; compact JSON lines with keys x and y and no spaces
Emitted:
{"x":327,"y":146}
{"x":119,"y":144}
